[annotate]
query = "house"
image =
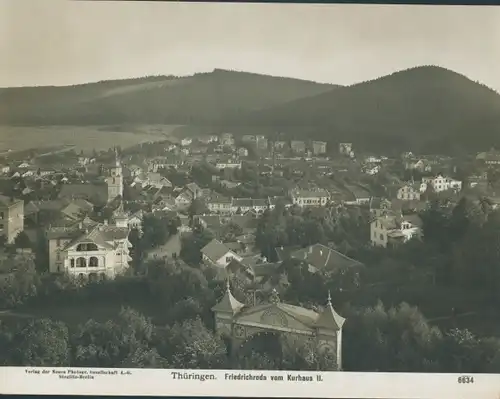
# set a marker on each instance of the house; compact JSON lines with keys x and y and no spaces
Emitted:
{"x":379,"y":206}
{"x":11,"y":217}
{"x":306,"y":198}
{"x":392,"y":229}
{"x":491,"y":157}
{"x":345,"y":148}
{"x":319,"y":147}
{"x":242,"y":152}
{"x":440,"y":183}
{"x":217,"y":254}
{"x":298,"y":147}
{"x":228,"y":164}
{"x":134,"y":170}
{"x":219,"y":204}
{"x":422,"y":165}
{"x":24,"y":165}
{"x":261,"y":142}
{"x":322,"y":258}
{"x":248,"y":138}
{"x":227,"y":139}
{"x":357,"y":195}
{"x":152,"y":179}
{"x":409,"y":192}
{"x":91,"y":252}
{"x":184,"y":199}
{"x":195,"y":190}
{"x":371,"y":169}
{"x":4,"y":169}
{"x":244,"y":205}
{"x":96,"y":194}
{"x":186,"y":141}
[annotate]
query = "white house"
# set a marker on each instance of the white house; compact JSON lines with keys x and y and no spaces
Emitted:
{"x":90,"y":252}
{"x":391,"y":229}
{"x":309,"y":198}
{"x":186,"y":141}
{"x":244,"y":205}
{"x":440,"y":183}
{"x":228,"y":164}
{"x":219,"y":204}
{"x":217,"y":254}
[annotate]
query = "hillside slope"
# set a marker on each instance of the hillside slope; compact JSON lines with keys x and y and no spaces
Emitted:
{"x":199,"y":99}
{"x":424,"y":108}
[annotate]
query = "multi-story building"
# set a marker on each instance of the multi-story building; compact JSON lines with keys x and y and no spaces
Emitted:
{"x":297,"y":146}
{"x":409,"y":192}
{"x":228,"y":164}
{"x":261,"y":142}
{"x":227,"y":139}
{"x":11,"y":217}
{"x":391,"y":229}
{"x":319,"y":147}
{"x":440,"y":183}
{"x":219,"y":204}
{"x":244,"y":205}
{"x":306,"y":198}
{"x":345,"y":148}
{"x":90,"y":251}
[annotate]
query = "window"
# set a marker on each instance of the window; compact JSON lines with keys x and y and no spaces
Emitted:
{"x":93,"y":262}
{"x":228,"y":259}
{"x":1,"y":215}
{"x":381,"y":236}
{"x":87,"y":247}
{"x":58,"y":256}
{"x":1,"y":225}
{"x":72,"y":263}
{"x":81,"y":262}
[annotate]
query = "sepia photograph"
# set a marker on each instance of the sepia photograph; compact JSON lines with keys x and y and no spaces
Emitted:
{"x":249,"y":188}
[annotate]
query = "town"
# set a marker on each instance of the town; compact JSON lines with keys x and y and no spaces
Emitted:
{"x":217,"y":227}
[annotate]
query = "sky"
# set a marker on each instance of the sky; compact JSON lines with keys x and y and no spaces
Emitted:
{"x":59,"y":42}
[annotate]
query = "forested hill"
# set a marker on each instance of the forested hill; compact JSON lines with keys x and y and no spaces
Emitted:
{"x":203,"y":98}
{"x":428,"y":108}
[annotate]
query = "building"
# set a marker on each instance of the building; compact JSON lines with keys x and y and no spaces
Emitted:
{"x":298,"y":147}
{"x":90,"y":251}
{"x":186,"y":141}
{"x":440,"y":183}
{"x":227,"y":139}
{"x":393,"y":229}
{"x":261,"y":142}
{"x":244,"y":205}
{"x":409,"y":192}
{"x":320,"y":331}
{"x":345,"y":148}
{"x":242,"y":152}
{"x":228,"y":164}
{"x":306,"y":198}
{"x":319,"y":147}
{"x":248,"y":138}
{"x":217,"y":254}
{"x":219,"y":204}
{"x":11,"y":217}
{"x":115,"y":181}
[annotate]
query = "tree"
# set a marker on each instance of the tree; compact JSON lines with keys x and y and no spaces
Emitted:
{"x":191,"y":345}
{"x":114,"y":343}
{"x":155,"y":231}
{"x":42,"y":343}
{"x":22,"y":241}
{"x":192,"y":244}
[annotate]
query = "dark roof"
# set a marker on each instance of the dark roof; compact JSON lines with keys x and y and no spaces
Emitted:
{"x":97,"y":194}
{"x":214,"y":250}
{"x":322,"y":257}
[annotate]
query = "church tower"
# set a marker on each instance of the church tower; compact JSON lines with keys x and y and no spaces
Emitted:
{"x":120,"y":217}
{"x":115,"y":180}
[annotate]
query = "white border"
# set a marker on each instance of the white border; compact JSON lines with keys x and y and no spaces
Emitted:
{"x":151,"y":382}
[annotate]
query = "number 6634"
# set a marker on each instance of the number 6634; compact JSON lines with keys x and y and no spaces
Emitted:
{"x":465,"y":379}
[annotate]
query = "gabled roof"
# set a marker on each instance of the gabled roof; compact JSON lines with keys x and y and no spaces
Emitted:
{"x":215,"y":250}
{"x":322,"y":257}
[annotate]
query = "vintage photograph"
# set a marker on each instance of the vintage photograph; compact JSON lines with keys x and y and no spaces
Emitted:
{"x":250,"y":186}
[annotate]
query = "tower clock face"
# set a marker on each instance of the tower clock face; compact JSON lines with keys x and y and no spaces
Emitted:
{"x":239,"y":331}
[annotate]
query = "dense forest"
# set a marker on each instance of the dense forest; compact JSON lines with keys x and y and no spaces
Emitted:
{"x":200,"y":99}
